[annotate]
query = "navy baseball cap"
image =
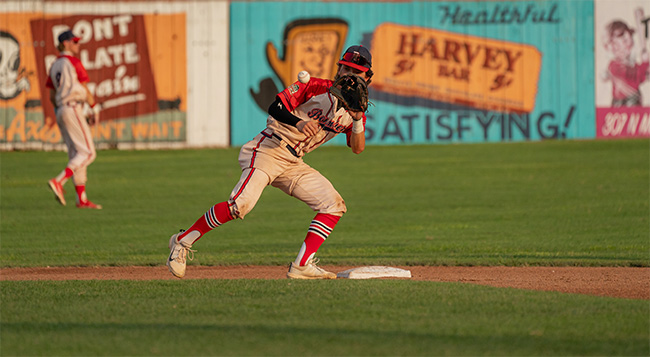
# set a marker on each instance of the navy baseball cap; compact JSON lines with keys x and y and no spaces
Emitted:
{"x":357,"y":57}
{"x":68,"y":35}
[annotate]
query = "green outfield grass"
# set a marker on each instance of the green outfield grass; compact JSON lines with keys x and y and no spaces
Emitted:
{"x":548,"y":203}
{"x":544,"y":203}
{"x":325,"y":318}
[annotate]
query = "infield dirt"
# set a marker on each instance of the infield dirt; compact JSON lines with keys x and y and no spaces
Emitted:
{"x":620,"y":282}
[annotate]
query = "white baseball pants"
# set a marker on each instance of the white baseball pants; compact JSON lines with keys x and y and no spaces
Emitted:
{"x":78,"y":139}
{"x":264,"y":161}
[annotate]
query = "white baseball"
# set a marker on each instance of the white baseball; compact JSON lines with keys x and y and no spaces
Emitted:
{"x":303,"y":76}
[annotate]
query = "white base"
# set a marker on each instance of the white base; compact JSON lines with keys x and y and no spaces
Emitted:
{"x":374,"y":272}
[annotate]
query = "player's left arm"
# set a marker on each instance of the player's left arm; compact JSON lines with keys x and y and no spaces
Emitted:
{"x":351,"y":92}
{"x":92,"y":115}
{"x":358,"y":142}
{"x":357,"y":135}
{"x":83,"y":78}
{"x":90,"y":99}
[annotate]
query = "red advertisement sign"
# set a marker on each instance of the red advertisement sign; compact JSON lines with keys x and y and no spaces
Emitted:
{"x":627,"y":122}
{"x":622,"y":69}
{"x":115,"y":54}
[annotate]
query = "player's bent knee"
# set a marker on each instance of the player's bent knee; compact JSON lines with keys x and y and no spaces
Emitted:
{"x":334,"y":207}
{"x":236,"y":209}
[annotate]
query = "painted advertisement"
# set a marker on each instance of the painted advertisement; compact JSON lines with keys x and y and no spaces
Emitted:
{"x":622,"y":69}
{"x":444,"y":72}
{"x":458,"y":69}
{"x":128,"y":59}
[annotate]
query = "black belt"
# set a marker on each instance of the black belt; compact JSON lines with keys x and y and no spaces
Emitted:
{"x":291,"y":149}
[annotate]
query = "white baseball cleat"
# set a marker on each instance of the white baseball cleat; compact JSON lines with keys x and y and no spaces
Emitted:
{"x":56,"y":187}
{"x":309,"y":271}
{"x":178,"y":252}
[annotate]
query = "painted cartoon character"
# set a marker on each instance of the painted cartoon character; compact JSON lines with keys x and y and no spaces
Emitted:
{"x":623,"y":70}
{"x":12,"y":77}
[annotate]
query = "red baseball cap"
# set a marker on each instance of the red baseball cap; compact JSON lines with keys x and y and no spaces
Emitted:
{"x":357,"y":57}
{"x":68,"y":35}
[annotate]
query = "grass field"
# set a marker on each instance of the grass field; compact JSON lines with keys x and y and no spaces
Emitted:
{"x":544,"y":203}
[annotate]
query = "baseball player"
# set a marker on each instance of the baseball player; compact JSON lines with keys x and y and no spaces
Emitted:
{"x":303,"y":117}
{"x":69,"y":93}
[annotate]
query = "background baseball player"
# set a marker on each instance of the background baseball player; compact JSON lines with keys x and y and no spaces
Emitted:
{"x":302,"y":118}
{"x":69,"y":93}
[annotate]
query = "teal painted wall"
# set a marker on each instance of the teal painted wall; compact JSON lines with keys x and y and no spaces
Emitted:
{"x":562,"y":32}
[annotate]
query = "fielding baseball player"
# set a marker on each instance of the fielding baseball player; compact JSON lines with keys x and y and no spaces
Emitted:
{"x":69,"y":93}
{"x":303,"y":117}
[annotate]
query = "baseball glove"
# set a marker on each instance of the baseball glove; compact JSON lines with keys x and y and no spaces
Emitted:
{"x":92,"y":114}
{"x":351,"y":91}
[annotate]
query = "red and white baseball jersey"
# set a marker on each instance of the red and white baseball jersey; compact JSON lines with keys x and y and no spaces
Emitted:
{"x":66,"y":75}
{"x":309,"y":101}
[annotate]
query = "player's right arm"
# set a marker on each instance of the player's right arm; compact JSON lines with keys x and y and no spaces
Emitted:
{"x":49,"y":122}
{"x":281,"y":113}
{"x":309,"y":128}
{"x":293,"y":96}
{"x":50,"y":85}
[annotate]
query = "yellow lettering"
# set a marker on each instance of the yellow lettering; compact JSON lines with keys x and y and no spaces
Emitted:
{"x":176,"y":128}
{"x":154,"y":131}
{"x":103,"y":130}
{"x":119,"y":129}
{"x":33,"y":130}
{"x":17,"y":128}
{"x":51,"y":135}
{"x":139,"y":130}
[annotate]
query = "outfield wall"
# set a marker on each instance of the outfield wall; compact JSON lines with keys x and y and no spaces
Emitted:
{"x":202,"y":73}
{"x":160,"y":69}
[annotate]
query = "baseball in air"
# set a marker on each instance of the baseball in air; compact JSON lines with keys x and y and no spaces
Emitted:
{"x":303,"y":76}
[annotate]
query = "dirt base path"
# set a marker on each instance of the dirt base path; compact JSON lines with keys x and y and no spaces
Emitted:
{"x":632,"y":283}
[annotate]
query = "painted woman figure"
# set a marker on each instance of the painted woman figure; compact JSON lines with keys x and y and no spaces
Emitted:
{"x":623,"y":70}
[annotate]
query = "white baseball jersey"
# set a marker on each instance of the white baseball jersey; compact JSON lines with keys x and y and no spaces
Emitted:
{"x":266,"y":160}
{"x":309,"y":101}
{"x":66,"y":76}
